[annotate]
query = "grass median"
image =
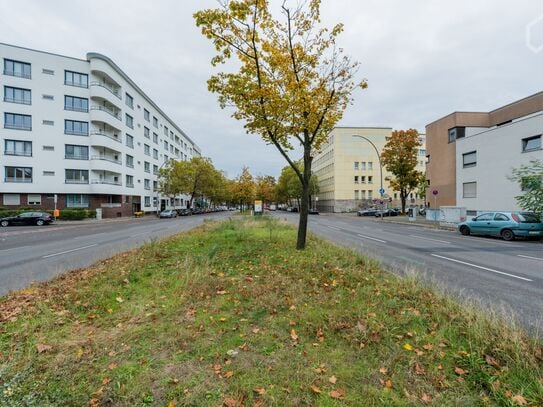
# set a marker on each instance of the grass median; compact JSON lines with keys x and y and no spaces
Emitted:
{"x":231,"y":314}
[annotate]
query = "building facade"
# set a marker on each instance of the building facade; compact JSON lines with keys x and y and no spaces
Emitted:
{"x":348,"y":169}
{"x":471,"y":155}
{"x":79,"y":133}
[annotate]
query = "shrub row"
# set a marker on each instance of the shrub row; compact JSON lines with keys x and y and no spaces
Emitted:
{"x":65,"y":214}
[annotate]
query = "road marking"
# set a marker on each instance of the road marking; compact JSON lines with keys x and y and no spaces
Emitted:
{"x":481,"y":267}
{"x":529,"y":257}
{"x":333,"y":227}
{"x":140,"y":234}
{"x":69,"y":251}
{"x":14,"y":248}
{"x":427,"y":238}
{"x":372,"y":238}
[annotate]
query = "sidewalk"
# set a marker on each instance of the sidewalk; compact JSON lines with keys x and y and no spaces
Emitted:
{"x":422,"y":222}
{"x":106,"y":220}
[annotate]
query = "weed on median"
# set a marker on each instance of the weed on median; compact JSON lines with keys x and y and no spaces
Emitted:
{"x":231,"y":314}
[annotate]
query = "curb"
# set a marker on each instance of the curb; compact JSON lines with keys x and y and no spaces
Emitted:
{"x":421,"y":225}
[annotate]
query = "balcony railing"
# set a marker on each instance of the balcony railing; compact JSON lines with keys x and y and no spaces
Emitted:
{"x":106,"y":182}
{"x":99,"y":133}
{"x":130,"y":165}
{"x":131,"y":185}
{"x":16,"y":126}
{"x":76,"y":133}
{"x":130,"y":144}
{"x":111,"y":89}
{"x":106,"y":158}
{"x":76,"y":157}
{"x":76,"y":84}
{"x":19,"y":101}
{"x":18,"y":180}
{"x":18,"y":153}
{"x":17,"y":74}
{"x":76,"y":109}
{"x":109,"y":111}
{"x":76,"y":181}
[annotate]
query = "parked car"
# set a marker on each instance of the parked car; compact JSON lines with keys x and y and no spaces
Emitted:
{"x":507,"y":225}
{"x":367,"y":212}
{"x":387,"y":212}
{"x":313,"y":211}
{"x":28,"y":218}
{"x":168,"y":213}
{"x":184,"y":212}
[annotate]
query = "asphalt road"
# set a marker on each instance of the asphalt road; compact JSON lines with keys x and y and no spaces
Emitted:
{"x":32,"y":253}
{"x":507,"y":276}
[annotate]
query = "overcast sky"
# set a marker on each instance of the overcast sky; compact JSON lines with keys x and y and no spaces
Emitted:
{"x":423,"y":59}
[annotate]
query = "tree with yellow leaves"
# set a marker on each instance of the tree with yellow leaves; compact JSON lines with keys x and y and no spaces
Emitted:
{"x":293,"y":83}
{"x":243,"y":188}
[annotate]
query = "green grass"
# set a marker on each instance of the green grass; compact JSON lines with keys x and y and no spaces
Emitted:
{"x":232,"y":313}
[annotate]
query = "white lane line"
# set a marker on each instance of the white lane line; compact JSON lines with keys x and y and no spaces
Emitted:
{"x":333,"y":227}
{"x":69,"y":251}
{"x":372,"y":238}
{"x":481,"y":267}
{"x":14,"y":248}
{"x":529,"y":257}
{"x":431,"y":240}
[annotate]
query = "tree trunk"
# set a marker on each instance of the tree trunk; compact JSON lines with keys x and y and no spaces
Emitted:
{"x":302,"y":225}
{"x":403,"y":196}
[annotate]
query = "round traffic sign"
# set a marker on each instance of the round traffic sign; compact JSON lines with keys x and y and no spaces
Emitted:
{"x":434,"y":192}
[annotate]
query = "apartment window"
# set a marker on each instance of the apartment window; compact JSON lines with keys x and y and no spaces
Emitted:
{"x":363,"y":179}
{"x":75,"y":152}
{"x":146,"y":132}
{"x":129,"y":161}
{"x":18,"y":174}
{"x":80,"y":80}
{"x":370,"y":166}
{"x":363,"y":194}
{"x":370,"y":195}
{"x":147,"y":184}
{"x":129,"y":141}
{"x":130,"y":181}
{"x":18,"y":147}
{"x":147,"y":166}
{"x":356,"y":179}
{"x":155,"y":153}
{"x":155,"y":169}
{"x":76,"y":104}
{"x":129,"y":121}
{"x":129,"y":100}
{"x":469,"y":190}
{"x":166,"y":145}
{"x":147,"y":201}
{"x":469,"y":159}
{"x":47,"y":71}
{"x":155,"y":138}
{"x":76,"y":128}
{"x":356,"y":195}
{"x":146,"y":149}
{"x":155,"y":122}
{"x":363,"y":165}
{"x":146,"y":114}
{"x":12,"y":199}
{"x":17,"y":68}
{"x":155,"y":185}
{"x":531,"y":143}
{"x":77,"y":201}
{"x":370,"y":180}
{"x":77,"y":176}
{"x":34,"y":199}
{"x":166,"y":158}
{"x":48,"y":122}
{"x":17,"y":95}
{"x":17,"y":121}
{"x":356,"y":165}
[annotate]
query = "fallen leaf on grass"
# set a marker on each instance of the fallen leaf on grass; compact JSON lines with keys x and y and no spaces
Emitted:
{"x":119,"y":300}
{"x":425,"y":398}
{"x":228,"y":374}
{"x":320,"y":335}
{"x":491,"y":361}
{"x":386,"y":383}
{"x":419,"y":369}
{"x":383,"y":370}
{"x":315,"y":389}
{"x":106,"y":380}
{"x":337,"y":394}
{"x":230,"y":402}
{"x":112,"y":366}
{"x":171,"y":403}
{"x":79,"y":353}
{"x":459,"y":371}
{"x":407,"y":347}
{"x":521,"y":401}
{"x":256,"y":330}
{"x":293,"y":335}
{"x":332,"y":379}
{"x":428,"y":346}
{"x":42,"y":347}
{"x":221,"y":292}
{"x":260,"y":391}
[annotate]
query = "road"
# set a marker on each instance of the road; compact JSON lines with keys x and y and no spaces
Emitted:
{"x":33,"y":253}
{"x":508,"y":276}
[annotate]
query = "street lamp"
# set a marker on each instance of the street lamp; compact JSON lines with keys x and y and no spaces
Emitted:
{"x":381,"y":190}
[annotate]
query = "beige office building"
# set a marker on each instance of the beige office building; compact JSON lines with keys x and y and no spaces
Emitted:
{"x":348,"y":169}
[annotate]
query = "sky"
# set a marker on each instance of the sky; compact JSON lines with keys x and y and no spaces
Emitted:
{"x":423,"y":59}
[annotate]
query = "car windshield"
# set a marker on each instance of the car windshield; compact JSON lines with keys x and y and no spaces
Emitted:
{"x":528,"y":217}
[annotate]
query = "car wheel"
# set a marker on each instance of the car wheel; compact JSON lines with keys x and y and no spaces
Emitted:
{"x":4,"y":223}
{"x":508,"y":235}
{"x":465,"y":230}
{"x":39,"y":222}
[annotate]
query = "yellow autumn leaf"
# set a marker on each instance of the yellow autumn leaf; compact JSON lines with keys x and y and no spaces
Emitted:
{"x":407,"y":347}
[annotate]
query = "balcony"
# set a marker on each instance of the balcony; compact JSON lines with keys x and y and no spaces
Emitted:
{"x":18,"y":180}
{"x":103,"y":92}
{"x":76,"y":157}
{"x":17,"y":126}
{"x":109,"y":111}
{"x":18,"y":153}
{"x":19,"y":101}
{"x":76,"y":109}
{"x":131,"y":185}
{"x":107,"y":158}
{"x":105,"y":139}
{"x":17,"y":74}
{"x":106,"y":182}
{"x":76,"y":181}
{"x":102,"y":116}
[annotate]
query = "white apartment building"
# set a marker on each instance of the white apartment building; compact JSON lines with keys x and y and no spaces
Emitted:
{"x":83,"y":131}
{"x":348,"y":171}
{"x":485,"y":157}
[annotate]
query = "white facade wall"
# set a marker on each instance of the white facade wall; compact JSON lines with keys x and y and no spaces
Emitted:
{"x":499,"y":149}
{"x":106,"y":176}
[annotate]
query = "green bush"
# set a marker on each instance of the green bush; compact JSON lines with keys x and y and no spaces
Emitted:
{"x":7,"y":212}
{"x":76,"y":214}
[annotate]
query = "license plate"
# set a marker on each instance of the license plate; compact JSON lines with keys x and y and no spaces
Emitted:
{"x":535,"y":232}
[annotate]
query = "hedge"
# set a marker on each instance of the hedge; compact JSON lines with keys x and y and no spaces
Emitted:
{"x":65,"y":214}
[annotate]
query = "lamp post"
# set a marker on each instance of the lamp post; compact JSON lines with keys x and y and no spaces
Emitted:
{"x":381,"y":189}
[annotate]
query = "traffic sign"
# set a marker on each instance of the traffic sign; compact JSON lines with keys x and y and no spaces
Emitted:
{"x":434,"y":192}
{"x":382,"y":191}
